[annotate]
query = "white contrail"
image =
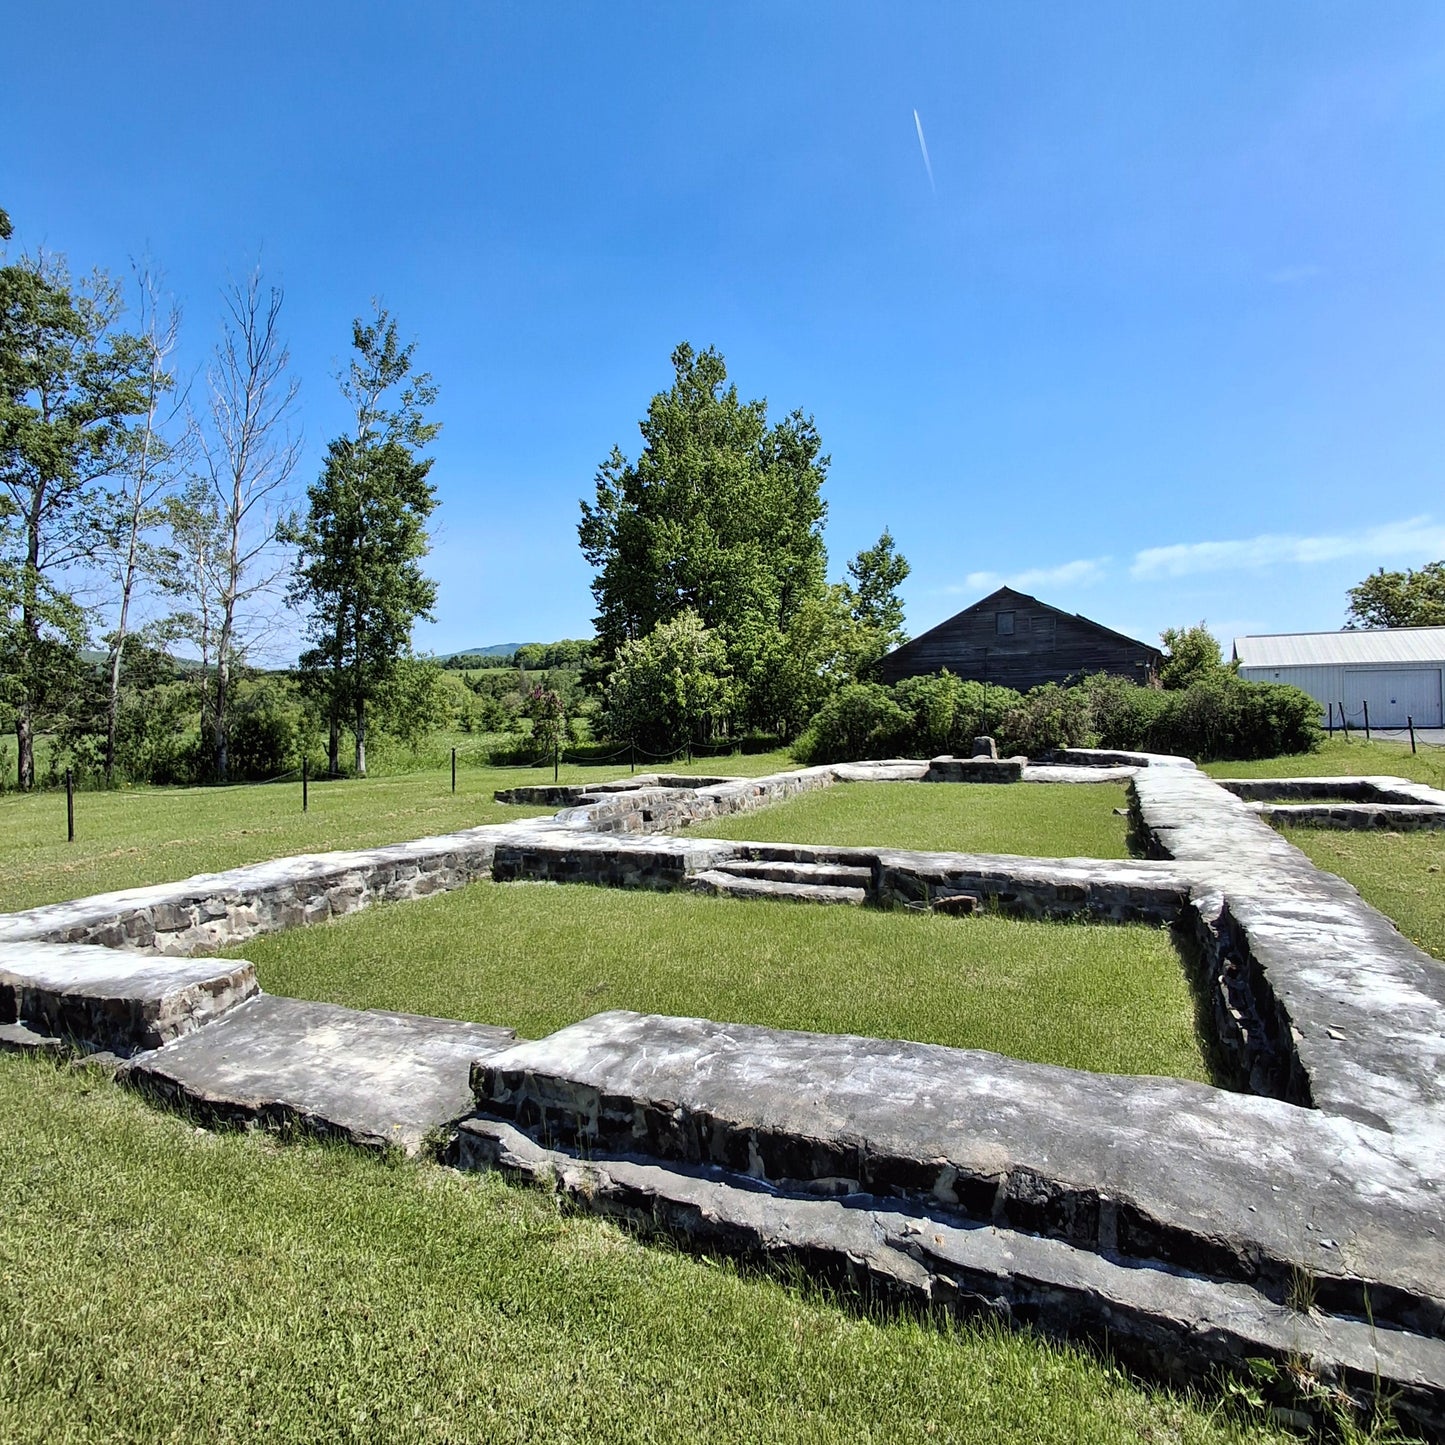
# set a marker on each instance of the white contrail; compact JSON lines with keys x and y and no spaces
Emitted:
{"x":923,"y":146}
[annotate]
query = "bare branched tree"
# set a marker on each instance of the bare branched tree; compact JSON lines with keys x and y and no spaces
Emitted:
{"x":248,"y":453}
{"x":155,"y":455}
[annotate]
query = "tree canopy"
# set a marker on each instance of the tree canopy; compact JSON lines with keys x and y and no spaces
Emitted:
{"x":1192,"y":654}
{"x":721,"y":515}
{"x":1400,"y":599}
{"x":360,"y":546}
{"x":70,"y":380}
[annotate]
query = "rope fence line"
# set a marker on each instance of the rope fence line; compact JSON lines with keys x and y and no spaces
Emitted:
{"x":1361,"y":722}
{"x":631,"y":751}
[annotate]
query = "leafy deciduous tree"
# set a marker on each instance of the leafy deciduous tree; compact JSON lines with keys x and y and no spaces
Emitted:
{"x":1400,"y":599}
{"x":878,"y":572}
{"x":69,"y":382}
{"x":1192,"y":655}
{"x":364,"y":533}
{"x":670,"y":687}
{"x":720,"y":515}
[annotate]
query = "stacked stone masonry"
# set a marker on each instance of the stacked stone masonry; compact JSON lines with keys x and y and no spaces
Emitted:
{"x":1177,"y":1218}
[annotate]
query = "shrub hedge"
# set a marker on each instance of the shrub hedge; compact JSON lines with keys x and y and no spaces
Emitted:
{"x":1219,"y":716}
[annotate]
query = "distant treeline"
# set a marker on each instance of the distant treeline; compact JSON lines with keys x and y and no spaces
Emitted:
{"x":572,"y":653}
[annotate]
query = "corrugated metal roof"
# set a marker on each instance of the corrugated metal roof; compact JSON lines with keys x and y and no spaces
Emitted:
{"x":1342,"y":649}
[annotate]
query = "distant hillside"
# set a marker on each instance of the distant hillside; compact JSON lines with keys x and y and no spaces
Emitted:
{"x":497,"y":649}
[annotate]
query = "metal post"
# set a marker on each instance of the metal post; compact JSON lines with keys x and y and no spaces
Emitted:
{"x":556,"y":758}
{"x":1366,"y":705}
{"x":1344,"y":722}
{"x":1410,"y":723}
{"x":454,"y":770}
{"x":1332,"y":720}
{"x":632,"y":757}
{"x":305,"y":783}
{"x":69,"y":806}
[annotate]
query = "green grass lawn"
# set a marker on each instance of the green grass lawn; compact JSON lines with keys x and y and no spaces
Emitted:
{"x":1046,"y":820}
{"x":161,"y":1283}
{"x":156,"y":835}
{"x":536,"y":956}
{"x":1401,"y":874}
{"x":1338,"y":758}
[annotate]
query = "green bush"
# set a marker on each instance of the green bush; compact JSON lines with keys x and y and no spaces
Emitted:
{"x":1217,"y":716}
{"x":267,"y":733}
{"x":1124,"y":715}
{"x":1229,"y":718}
{"x":858,"y":721}
{"x":1046,"y":718}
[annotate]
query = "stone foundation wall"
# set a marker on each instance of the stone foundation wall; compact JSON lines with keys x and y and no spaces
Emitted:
{"x":1352,"y":817}
{"x":210,"y":911}
{"x":975,"y":770}
{"x":1124,"y":892}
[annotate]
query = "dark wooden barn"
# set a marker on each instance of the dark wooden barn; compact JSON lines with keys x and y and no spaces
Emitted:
{"x":1014,"y":640}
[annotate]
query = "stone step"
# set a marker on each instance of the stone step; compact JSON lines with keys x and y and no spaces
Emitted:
{"x":1161,"y":1171}
{"x":22,"y":1039}
{"x":1163,"y":1321}
{"x":372,"y":1078}
{"x":104,"y":998}
{"x":729,"y":885}
{"x":837,"y":875}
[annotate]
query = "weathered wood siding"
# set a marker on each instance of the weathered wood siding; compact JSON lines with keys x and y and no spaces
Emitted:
{"x":1046,"y":645}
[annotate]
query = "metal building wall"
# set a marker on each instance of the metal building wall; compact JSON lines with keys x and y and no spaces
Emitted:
{"x":1332,"y":684}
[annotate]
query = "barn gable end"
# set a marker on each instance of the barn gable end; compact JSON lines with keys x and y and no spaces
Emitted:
{"x":1014,"y":640}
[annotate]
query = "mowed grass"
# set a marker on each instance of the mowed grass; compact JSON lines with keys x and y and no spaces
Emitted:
{"x":138,"y":836}
{"x":161,"y":1283}
{"x":1401,"y":874}
{"x":1046,"y":820}
{"x":1338,"y":758}
{"x":535,"y":957}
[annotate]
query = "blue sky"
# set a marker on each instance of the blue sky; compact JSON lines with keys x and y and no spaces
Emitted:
{"x":1163,"y":339}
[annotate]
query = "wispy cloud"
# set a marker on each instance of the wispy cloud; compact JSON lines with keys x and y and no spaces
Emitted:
{"x":1416,"y":537}
{"x":1293,"y":275}
{"x":1078,"y":573}
{"x":923,"y":146}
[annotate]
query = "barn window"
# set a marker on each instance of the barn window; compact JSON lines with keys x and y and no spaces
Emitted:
{"x":1004,"y":621}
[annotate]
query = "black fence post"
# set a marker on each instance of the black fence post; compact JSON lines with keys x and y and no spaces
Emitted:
{"x":556,"y":758}
{"x":1344,"y":722}
{"x":1332,"y":720}
{"x":1410,"y":723}
{"x":69,"y":806}
{"x":454,"y":770}
{"x":305,"y":783}
{"x":632,"y":757}
{"x":1367,"y":719}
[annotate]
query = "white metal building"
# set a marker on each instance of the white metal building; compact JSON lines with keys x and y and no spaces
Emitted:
{"x":1396,"y":671}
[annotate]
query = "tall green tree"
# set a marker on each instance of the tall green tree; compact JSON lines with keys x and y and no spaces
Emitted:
{"x":1400,"y":599}
{"x":1192,"y":654}
{"x":70,"y":380}
{"x":671,"y":687}
{"x":720,"y":515}
{"x":876,"y":574}
{"x":360,"y":545}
